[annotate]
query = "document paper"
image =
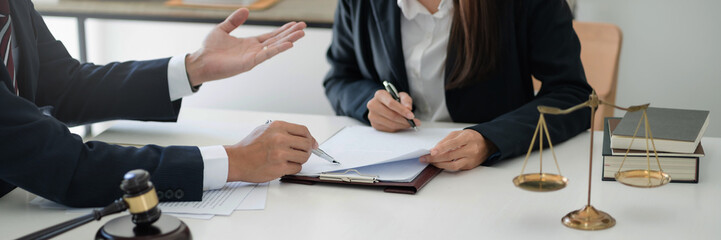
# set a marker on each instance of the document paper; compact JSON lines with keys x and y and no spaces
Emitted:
{"x":255,"y":199}
{"x":219,"y":202}
{"x":190,"y":133}
{"x":361,"y":148}
{"x":214,"y":202}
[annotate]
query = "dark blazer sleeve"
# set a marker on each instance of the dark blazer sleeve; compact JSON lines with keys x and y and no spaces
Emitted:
{"x":554,"y":59}
{"x":346,"y":85}
{"x":40,"y":155}
{"x":82,"y":93}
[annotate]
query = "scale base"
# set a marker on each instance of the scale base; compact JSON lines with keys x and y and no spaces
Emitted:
{"x":167,"y":227}
{"x":588,"y":218}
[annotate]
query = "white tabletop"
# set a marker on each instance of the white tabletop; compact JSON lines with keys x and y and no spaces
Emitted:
{"x":481,"y":203}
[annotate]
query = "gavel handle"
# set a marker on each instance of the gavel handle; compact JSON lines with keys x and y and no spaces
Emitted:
{"x":115,"y":207}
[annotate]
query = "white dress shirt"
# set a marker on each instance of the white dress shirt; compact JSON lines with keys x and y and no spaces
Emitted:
{"x":215,"y":159}
{"x":425,"y":42}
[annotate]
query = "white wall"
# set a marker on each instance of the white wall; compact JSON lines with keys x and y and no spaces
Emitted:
{"x":289,"y":82}
{"x":670,"y":57}
{"x":65,"y":30}
{"x":671,"y":54}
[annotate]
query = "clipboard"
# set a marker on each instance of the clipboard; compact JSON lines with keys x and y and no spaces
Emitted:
{"x":359,"y":179}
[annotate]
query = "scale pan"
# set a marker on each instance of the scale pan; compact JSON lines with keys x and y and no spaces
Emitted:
{"x":643,"y":178}
{"x":540,"y":182}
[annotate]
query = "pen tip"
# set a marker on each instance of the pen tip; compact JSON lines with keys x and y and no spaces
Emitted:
{"x":415,"y":129}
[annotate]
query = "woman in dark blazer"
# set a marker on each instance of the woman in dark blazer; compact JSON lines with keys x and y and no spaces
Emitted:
{"x":465,"y":61}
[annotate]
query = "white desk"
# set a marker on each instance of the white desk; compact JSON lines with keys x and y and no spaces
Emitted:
{"x":478,"y":204}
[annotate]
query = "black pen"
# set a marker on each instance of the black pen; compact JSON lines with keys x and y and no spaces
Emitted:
{"x":394,"y":93}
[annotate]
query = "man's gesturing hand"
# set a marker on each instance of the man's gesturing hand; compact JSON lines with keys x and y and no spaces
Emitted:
{"x":223,"y":55}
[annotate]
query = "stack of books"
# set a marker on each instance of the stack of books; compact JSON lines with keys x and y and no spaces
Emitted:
{"x":677,"y":135}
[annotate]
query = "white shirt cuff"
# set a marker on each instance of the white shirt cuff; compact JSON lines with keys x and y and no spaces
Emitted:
{"x":215,"y":170}
{"x":178,"y":83}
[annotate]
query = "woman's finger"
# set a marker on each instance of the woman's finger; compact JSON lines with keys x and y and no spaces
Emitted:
{"x":452,"y":141}
{"x":459,"y":164}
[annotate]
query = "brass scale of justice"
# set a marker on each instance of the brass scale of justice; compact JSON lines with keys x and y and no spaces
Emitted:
{"x":588,"y":218}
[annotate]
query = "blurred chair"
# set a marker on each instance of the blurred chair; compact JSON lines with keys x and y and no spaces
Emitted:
{"x":600,"y":51}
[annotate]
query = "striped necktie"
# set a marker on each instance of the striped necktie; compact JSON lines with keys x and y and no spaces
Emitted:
{"x":6,"y":43}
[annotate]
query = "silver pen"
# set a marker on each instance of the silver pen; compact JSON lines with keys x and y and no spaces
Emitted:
{"x":318,"y":152}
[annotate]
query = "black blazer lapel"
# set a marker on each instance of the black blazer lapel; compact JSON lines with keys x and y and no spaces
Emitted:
{"x":25,"y":36}
{"x":387,"y":16}
{"x":6,"y":80}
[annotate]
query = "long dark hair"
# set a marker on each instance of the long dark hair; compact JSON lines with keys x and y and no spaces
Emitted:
{"x":474,"y":41}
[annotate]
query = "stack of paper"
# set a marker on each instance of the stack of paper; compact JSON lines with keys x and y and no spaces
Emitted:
{"x":221,"y":201}
{"x":234,"y":196}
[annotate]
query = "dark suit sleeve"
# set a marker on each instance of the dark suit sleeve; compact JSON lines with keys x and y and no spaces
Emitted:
{"x":82,"y":93}
{"x":554,"y":53}
{"x":40,"y":155}
{"x":345,"y":86}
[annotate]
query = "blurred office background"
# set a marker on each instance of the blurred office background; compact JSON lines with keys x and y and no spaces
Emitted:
{"x":671,"y":57}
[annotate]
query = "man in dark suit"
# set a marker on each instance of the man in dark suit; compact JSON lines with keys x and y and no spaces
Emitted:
{"x":42,"y":89}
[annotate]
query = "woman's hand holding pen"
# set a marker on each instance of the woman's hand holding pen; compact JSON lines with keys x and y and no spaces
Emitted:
{"x":460,"y":150}
{"x":388,"y":115}
{"x":269,"y":152}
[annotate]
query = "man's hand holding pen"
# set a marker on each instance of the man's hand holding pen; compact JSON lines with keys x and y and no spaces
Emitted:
{"x":389,"y":115}
{"x":269,"y":152}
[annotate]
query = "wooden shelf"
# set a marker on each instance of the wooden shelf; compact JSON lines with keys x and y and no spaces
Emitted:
{"x":316,"y":13}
